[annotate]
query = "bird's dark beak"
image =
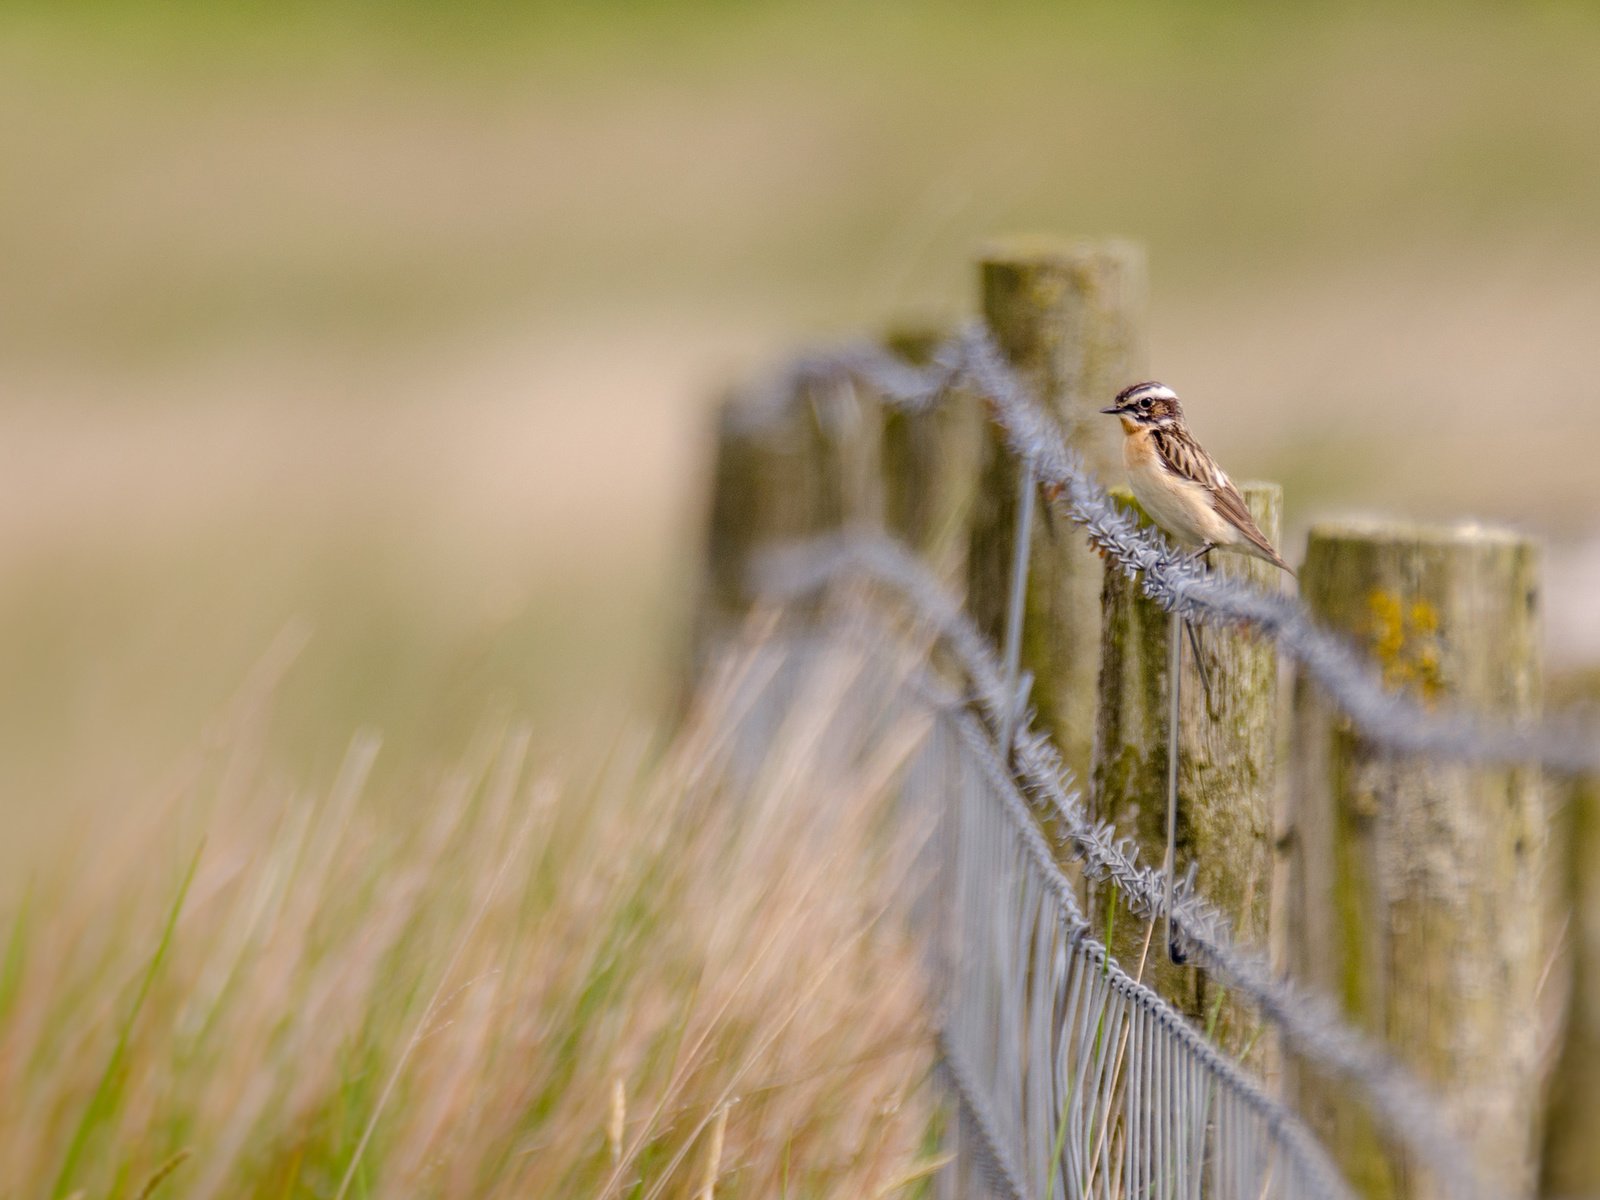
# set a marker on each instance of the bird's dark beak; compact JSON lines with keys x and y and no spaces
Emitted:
{"x":1112,"y":411}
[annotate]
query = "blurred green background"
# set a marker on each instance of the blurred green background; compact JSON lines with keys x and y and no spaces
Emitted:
{"x":393,"y":328}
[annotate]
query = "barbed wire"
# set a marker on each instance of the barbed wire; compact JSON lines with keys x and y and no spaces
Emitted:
{"x":1311,"y":1026}
{"x":1385,"y":717}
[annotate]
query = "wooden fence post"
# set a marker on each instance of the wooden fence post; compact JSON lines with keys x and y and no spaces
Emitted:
{"x":782,"y":472}
{"x":1069,"y":317}
{"x":1225,"y":770}
{"x":1571,"y":1165}
{"x":1414,"y":894}
{"x":930,"y":465}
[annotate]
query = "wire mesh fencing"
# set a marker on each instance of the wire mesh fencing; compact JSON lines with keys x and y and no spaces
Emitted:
{"x":1070,"y":1077}
{"x":1074,"y":1079}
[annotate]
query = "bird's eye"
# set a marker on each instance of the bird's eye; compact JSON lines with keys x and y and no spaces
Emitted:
{"x":1145,"y":404}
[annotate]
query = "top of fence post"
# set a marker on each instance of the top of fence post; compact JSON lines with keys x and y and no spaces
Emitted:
{"x":1069,"y":315}
{"x":930,"y":461}
{"x":1069,"y":318}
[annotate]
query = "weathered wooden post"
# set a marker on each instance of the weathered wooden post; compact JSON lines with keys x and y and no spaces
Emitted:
{"x":782,"y":471}
{"x":930,"y":464}
{"x":1571,"y":1165}
{"x":1069,"y":317}
{"x":1414,"y":894}
{"x":1226,"y":771}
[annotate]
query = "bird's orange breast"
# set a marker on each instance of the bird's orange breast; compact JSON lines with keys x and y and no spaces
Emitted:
{"x":1138,"y":449}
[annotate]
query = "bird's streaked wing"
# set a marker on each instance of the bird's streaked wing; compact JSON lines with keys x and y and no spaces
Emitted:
{"x":1185,"y":457}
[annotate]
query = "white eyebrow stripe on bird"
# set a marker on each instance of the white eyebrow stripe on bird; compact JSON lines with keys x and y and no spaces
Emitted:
{"x":1154,"y":390}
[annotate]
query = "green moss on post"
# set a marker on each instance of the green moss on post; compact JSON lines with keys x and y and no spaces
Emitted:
{"x":1069,"y":318}
{"x":1225,"y":769}
{"x":930,"y":465}
{"x":1414,"y":890}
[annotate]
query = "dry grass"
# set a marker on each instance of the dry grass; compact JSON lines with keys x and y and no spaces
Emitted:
{"x":650,"y":983}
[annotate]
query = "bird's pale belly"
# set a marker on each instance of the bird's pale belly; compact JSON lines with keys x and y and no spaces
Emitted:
{"x":1181,"y":508}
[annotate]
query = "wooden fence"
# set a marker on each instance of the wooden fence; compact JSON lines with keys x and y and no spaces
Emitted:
{"x":1420,"y":896}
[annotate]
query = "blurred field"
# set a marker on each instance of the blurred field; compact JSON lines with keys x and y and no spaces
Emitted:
{"x":398,"y":323}
{"x":355,"y":368}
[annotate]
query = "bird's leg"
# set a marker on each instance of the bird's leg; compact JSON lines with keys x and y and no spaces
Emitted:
{"x":1203,"y":556}
{"x":1200,"y":665}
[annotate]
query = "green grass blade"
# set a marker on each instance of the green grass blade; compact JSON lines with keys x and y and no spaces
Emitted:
{"x":1111,"y":929}
{"x":1215,"y":1014}
{"x":102,"y":1104}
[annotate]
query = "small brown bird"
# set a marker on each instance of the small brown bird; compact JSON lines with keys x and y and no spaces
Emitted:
{"x":1177,"y":482}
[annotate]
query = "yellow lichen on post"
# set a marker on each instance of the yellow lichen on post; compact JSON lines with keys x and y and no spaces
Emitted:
{"x":1069,"y":318}
{"x":1414,"y":884}
{"x":1226,"y":769}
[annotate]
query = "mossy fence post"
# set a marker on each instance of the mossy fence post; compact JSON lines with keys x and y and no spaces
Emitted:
{"x":1414,"y":893}
{"x":1069,"y":318}
{"x":1571,"y":1165}
{"x":1226,"y":779}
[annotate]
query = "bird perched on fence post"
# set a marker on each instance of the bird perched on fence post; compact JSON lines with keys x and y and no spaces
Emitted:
{"x":1181,"y":487}
{"x":1178,"y":483}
